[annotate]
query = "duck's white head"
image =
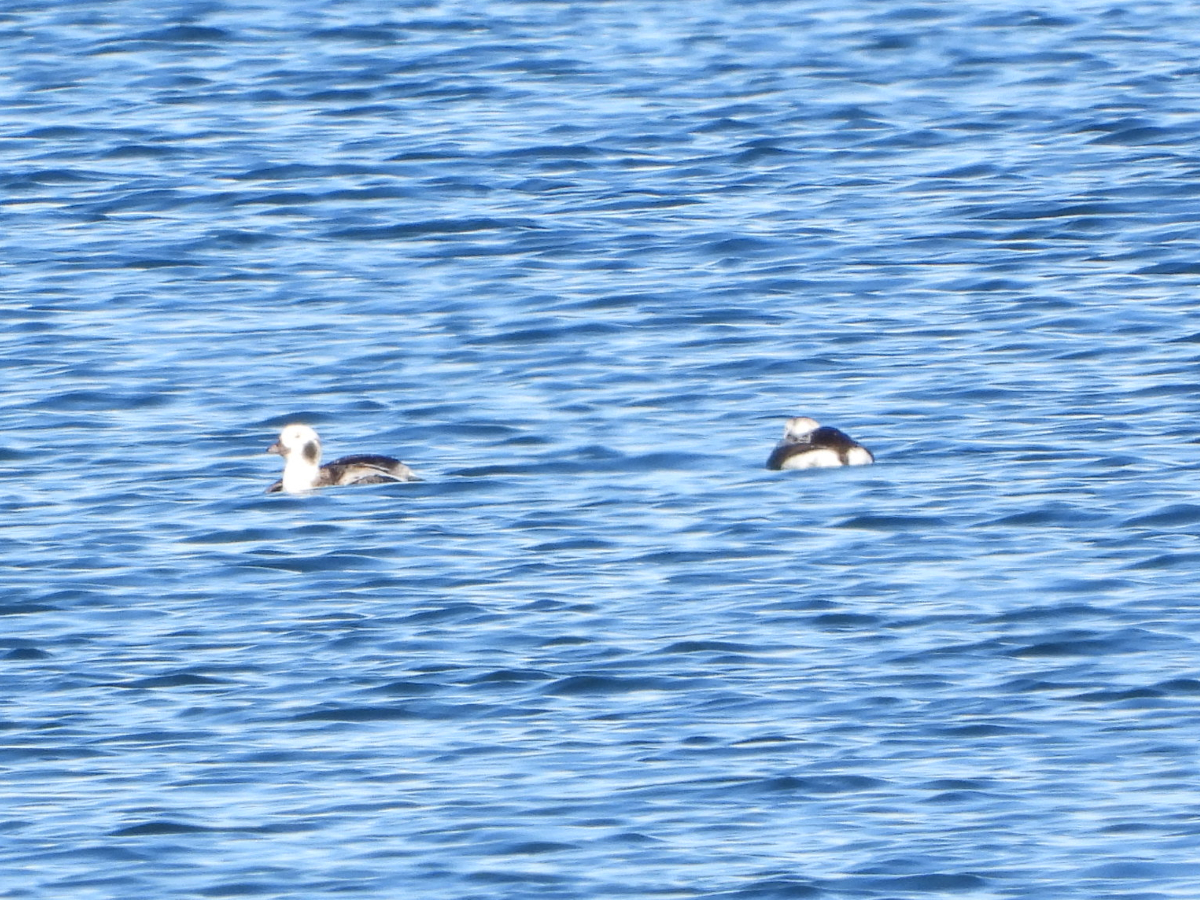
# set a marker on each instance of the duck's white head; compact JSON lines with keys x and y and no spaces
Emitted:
{"x":298,"y":442}
{"x":301,"y":451}
{"x":798,"y":429}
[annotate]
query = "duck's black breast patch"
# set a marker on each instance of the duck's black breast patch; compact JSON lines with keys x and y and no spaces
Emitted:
{"x":781,"y":453}
{"x":311,"y":451}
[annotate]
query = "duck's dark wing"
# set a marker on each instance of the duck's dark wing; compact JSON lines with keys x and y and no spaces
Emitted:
{"x":836,"y":439}
{"x":833,"y":438}
{"x":364,"y":469}
{"x":843,"y":444}
{"x":275,"y":488}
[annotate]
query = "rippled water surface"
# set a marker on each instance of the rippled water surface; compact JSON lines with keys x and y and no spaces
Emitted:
{"x":576,"y":262}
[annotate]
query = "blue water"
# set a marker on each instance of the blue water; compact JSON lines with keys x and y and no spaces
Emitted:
{"x":576,"y":263}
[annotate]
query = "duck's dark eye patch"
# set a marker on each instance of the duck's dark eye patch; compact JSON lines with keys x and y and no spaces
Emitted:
{"x":311,"y":451}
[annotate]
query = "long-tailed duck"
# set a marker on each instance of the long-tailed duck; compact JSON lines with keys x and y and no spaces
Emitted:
{"x":302,"y":469}
{"x":808,"y":445}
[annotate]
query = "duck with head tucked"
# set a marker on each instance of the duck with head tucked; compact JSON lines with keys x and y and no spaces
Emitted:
{"x":807,"y":444}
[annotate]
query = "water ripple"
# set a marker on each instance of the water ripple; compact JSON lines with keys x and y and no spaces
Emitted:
{"x":576,"y":263}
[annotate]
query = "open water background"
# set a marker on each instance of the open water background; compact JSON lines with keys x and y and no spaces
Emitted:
{"x":575,"y":262}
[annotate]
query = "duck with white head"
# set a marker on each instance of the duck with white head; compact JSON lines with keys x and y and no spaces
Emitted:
{"x":302,"y":470}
